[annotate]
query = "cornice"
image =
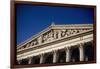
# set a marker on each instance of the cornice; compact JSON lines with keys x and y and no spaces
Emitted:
{"x":53,"y":41}
{"x":54,"y":27}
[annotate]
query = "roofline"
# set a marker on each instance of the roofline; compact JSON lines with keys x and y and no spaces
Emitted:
{"x":34,"y":36}
{"x":45,"y":30}
{"x":54,"y":40}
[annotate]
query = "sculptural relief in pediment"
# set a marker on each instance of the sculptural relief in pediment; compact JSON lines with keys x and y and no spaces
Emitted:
{"x":55,"y":33}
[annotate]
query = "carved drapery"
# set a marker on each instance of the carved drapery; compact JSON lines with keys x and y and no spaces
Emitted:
{"x":28,"y":45}
{"x":40,"y":39}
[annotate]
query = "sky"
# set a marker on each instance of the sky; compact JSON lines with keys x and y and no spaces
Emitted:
{"x":31,"y":19}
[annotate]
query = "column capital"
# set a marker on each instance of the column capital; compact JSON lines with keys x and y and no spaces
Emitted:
{"x":81,"y":44}
{"x":41,"y":54}
{"x":67,"y":48}
{"x":54,"y":51}
{"x":30,"y":57}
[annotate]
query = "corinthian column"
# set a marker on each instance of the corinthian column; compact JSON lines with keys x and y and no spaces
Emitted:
{"x":54,"y":56}
{"x":30,"y":60}
{"x":41,"y":58}
{"x":67,"y":54}
{"x":81,"y":50}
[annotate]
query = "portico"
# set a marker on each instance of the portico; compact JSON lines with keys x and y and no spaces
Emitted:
{"x":58,"y":46}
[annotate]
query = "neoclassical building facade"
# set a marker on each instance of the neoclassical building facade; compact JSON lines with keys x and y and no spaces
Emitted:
{"x":58,"y":44}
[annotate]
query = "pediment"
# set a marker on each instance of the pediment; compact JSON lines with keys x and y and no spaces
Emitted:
{"x":54,"y":32}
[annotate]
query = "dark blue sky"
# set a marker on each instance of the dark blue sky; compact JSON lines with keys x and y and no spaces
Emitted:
{"x":32,"y":19}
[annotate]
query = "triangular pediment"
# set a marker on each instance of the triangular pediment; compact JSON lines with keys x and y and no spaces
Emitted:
{"x":54,"y":32}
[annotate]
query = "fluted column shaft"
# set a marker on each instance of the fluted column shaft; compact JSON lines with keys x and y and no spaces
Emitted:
{"x":41,"y":58}
{"x":30,"y":60}
{"x":67,"y":54}
{"x":81,"y":50}
{"x":54,"y":56}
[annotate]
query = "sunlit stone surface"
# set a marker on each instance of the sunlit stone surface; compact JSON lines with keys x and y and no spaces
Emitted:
{"x":58,"y":44}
